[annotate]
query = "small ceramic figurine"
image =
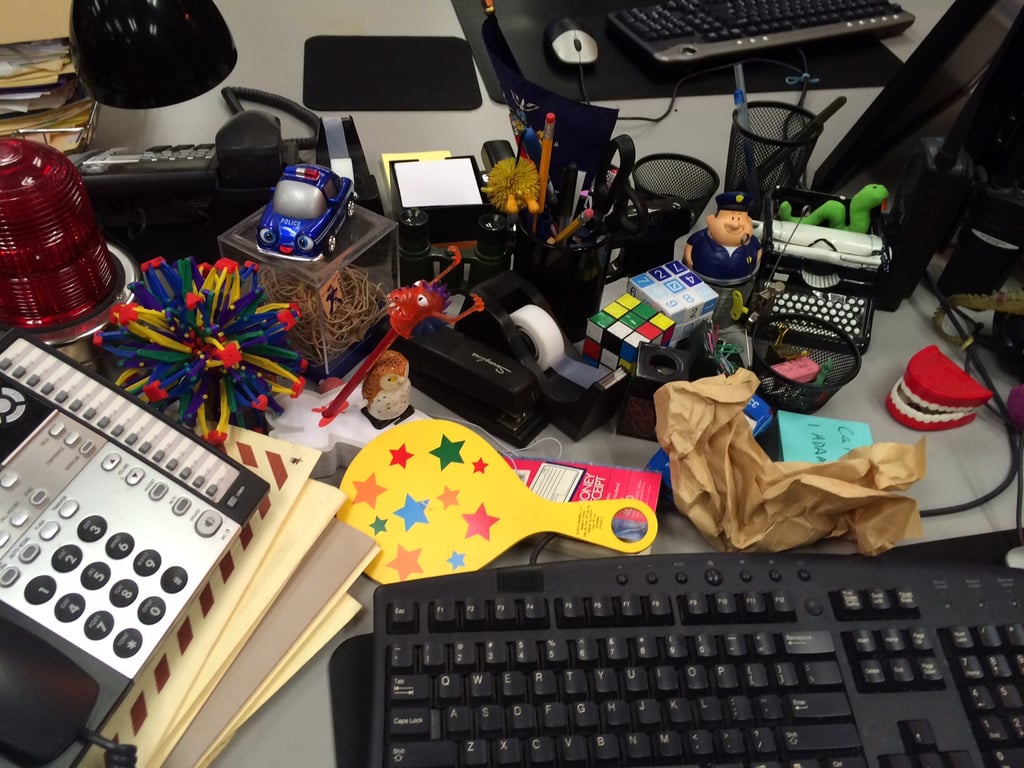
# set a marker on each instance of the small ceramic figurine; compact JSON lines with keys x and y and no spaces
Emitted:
{"x":726,"y":251}
{"x":387,"y":388}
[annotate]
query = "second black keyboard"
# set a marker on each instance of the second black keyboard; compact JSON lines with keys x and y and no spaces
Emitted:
{"x":767,"y":661}
{"x":677,"y":32}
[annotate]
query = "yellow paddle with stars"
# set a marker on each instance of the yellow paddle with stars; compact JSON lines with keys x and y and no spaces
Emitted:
{"x":438,"y":499}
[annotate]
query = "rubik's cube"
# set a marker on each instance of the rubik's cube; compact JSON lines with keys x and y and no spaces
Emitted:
{"x":678,"y":293}
{"x":614,"y":334}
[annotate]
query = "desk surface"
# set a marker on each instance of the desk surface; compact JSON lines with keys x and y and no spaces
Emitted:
{"x":295,"y":727}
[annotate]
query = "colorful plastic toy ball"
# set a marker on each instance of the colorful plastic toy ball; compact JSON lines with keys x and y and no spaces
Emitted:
{"x":202,"y":341}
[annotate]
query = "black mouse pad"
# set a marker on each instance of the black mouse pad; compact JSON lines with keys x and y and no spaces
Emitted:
{"x":351,"y":683}
{"x":620,"y":74}
{"x":388,"y":73}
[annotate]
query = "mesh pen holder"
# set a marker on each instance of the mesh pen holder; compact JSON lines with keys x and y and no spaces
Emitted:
{"x":773,"y":151}
{"x":823,"y":342}
{"x":672,"y":175}
{"x":676,"y":189}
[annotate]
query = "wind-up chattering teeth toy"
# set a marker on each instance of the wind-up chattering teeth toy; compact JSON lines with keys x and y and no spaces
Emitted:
{"x":204,"y":338}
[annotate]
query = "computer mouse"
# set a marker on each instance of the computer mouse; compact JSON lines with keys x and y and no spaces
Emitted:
{"x":1014,"y":558}
{"x":569,"y":42}
{"x":45,"y":697}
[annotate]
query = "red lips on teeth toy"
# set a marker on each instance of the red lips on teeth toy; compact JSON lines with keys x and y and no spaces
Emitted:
{"x":934,"y":393}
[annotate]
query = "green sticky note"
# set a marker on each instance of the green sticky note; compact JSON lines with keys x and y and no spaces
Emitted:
{"x":806,"y":437}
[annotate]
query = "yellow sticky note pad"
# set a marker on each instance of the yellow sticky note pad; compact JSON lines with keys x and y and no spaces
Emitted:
{"x":387,"y":158}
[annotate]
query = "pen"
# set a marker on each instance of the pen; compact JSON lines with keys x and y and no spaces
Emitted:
{"x":739,"y":97}
{"x":805,"y":134}
{"x":547,"y":143}
{"x":567,"y":231}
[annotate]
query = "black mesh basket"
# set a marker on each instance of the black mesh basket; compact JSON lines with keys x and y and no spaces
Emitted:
{"x":667,"y":175}
{"x":676,"y":189}
{"x":823,"y":342}
{"x":772,"y":152}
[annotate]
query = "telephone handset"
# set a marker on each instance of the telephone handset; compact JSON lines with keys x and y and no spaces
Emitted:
{"x":185,"y":195}
{"x":46,"y":698}
{"x":248,"y":152}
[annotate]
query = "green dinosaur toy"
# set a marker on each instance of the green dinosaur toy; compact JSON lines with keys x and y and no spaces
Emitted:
{"x":832,"y":213}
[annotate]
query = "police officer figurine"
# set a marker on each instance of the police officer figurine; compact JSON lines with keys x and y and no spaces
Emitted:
{"x":725,"y":253}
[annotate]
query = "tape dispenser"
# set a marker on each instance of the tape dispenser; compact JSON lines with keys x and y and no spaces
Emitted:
{"x":517,"y":321}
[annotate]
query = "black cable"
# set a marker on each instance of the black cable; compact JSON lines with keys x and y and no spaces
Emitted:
{"x":805,"y":79}
{"x":804,"y":82}
{"x":234,"y":95}
{"x":583,"y":85}
{"x":722,"y":67}
{"x":544,"y":540}
{"x":1019,"y":512}
{"x":114,"y":755}
{"x":971,"y":360}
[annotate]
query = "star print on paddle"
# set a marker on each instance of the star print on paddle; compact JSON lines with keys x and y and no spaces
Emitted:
{"x":412,"y":512}
{"x":448,"y":452}
{"x":378,"y":526}
{"x":406,"y":562}
{"x":368,"y":490}
{"x":400,"y":456}
{"x":449,"y":497}
{"x":479,"y":465}
{"x":479,"y":523}
{"x":457,"y":560}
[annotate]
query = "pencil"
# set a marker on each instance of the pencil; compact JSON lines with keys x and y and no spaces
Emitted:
{"x":567,"y":194}
{"x":574,"y":225}
{"x":547,"y":143}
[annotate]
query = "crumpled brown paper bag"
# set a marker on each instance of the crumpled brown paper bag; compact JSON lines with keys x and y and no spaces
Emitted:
{"x":740,"y":499}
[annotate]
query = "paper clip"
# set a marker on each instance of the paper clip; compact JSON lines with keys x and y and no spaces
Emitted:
{"x":786,"y":351}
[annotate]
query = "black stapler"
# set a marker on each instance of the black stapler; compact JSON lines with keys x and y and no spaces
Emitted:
{"x":572,"y":408}
{"x":477,"y":382}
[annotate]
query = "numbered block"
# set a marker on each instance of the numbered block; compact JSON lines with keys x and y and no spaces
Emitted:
{"x":677,"y":293}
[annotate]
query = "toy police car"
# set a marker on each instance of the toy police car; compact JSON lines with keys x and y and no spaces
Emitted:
{"x":305,"y":215}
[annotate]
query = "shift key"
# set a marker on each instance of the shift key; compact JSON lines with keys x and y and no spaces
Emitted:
{"x":801,"y":739}
{"x":423,"y":754}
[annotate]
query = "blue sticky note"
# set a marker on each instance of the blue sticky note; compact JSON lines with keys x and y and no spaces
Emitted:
{"x":806,"y":437}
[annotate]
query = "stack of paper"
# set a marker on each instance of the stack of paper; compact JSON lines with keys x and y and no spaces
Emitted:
{"x":40,"y":94}
{"x":277,"y":598}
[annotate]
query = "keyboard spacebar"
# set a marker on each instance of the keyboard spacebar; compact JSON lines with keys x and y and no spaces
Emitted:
{"x":422,"y":754}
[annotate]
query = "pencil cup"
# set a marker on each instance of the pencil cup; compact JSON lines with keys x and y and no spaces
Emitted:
{"x":677,"y":189}
{"x":570,"y":275}
{"x":772,"y":151}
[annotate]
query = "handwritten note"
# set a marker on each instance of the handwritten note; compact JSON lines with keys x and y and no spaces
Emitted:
{"x":816,"y":439}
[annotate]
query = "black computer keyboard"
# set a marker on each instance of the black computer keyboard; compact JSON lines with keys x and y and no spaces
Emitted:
{"x":688,"y":31}
{"x":777,"y":661}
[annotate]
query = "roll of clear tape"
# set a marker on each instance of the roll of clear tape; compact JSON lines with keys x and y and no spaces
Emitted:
{"x":544,"y":335}
{"x":542,"y":332}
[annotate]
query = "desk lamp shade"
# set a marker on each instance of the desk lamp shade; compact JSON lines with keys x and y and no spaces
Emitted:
{"x":141,"y":54}
{"x":55,"y":267}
